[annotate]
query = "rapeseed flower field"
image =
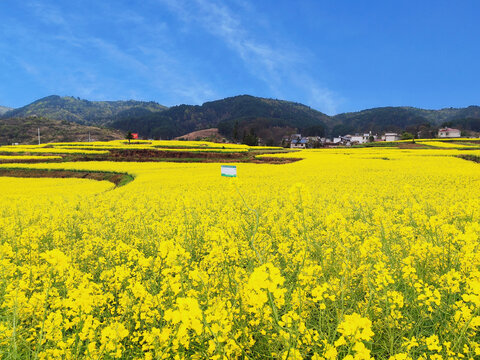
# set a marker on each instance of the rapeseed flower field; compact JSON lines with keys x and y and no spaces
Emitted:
{"x":347,"y":254}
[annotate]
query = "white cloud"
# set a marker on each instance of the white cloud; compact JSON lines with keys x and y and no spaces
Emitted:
{"x":277,"y":66}
{"x":149,"y":56}
{"x":138,"y":54}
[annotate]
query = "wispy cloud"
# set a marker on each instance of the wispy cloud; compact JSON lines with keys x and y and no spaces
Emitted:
{"x":47,"y":13}
{"x":115,"y":50}
{"x":142,"y":63}
{"x":218,"y":20}
{"x":149,"y":65}
{"x":276,"y":65}
{"x":323,"y":98}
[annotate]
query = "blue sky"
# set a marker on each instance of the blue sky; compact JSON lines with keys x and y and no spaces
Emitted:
{"x":334,"y":56}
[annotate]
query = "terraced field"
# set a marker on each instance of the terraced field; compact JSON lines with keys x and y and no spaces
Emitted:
{"x":347,"y":253}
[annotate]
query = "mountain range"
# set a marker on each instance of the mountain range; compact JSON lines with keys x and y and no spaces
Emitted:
{"x":404,"y":118}
{"x":81,"y":111}
{"x":235,"y":117}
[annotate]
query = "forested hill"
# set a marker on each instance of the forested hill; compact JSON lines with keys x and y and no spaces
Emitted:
{"x":82,"y":111}
{"x":233,"y":116}
{"x":406,"y":118}
{"x":25,"y":131}
{"x":238,"y":116}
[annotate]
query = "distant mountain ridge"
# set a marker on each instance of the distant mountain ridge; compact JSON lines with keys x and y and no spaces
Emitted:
{"x":81,"y":111}
{"x":402,"y":118}
{"x":4,"y":109}
{"x":243,"y":115}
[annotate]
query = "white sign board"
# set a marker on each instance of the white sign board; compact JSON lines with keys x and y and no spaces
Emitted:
{"x":229,"y":170}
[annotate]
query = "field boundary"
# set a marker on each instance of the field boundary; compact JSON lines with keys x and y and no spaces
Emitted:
{"x":156,"y":155}
{"x":119,"y":179}
{"x":469,"y":157}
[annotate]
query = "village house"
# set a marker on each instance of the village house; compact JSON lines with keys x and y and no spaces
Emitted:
{"x":391,"y":136}
{"x":449,"y":133}
{"x":299,"y":143}
{"x":343,"y":140}
{"x":355,"y":139}
{"x":362,"y":138}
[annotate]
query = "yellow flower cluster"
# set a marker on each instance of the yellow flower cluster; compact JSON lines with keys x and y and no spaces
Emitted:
{"x":102,"y":148}
{"x":469,"y":139}
{"x":450,"y":145}
{"x":142,"y":147}
{"x":363,"y":253}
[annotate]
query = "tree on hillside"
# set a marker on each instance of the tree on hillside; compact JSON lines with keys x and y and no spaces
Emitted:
{"x":235,"y":131}
{"x":314,"y":130}
{"x":129,"y":136}
{"x":250,"y":138}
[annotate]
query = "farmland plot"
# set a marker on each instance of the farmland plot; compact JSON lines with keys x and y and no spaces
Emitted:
{"x":348,"y":254}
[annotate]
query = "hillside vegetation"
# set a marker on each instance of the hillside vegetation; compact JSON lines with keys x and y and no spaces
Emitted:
{"x":405,"y":118}
{"x":25,"y":131}
{"x":245,"y":118}
{"x":232,"y":116}
{"x":83,"y":111}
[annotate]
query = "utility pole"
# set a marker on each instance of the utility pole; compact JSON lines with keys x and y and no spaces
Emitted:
{"x":89,"y":136}
{"x":38,"y":136}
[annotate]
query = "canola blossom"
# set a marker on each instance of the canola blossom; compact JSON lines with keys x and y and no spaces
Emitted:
{"x":103,"y":148}
{"x":347,"y":254}
{"x":452,"y":145}
{"x":156,"y":148}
